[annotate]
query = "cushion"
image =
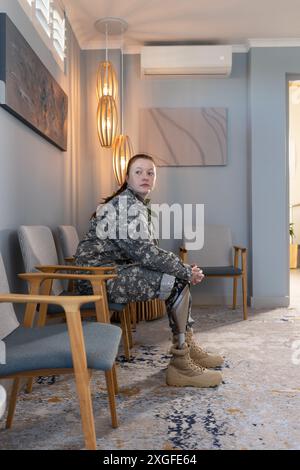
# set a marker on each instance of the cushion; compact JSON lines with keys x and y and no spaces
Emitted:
{"x":221,"y":270}
{"x":54,"y":309}
{"x":49,"y":348}
{"x":38,"y":248}
{"x":68,"y":239}
{"x":217,"y":246}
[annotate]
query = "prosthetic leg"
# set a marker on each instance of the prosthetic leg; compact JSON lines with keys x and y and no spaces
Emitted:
{"x":182,"y":370}
{"x":180,"y":313}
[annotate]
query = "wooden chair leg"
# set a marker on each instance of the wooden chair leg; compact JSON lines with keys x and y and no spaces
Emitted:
{"x":86,"y":410}
{"x":143,"y":311}
{"x":244,"y":284}
{"x":82,"y":377}
{"x":137,"y":311}
{"x":116,"y":386}
{"x":133,"y":315}
{"x":12,"y":402}
{"x":109,"y":376}
{"x":127,"y":314}
{"x":234,"y":293}
{"x":29,"y":385}
{"x":125,"y":335}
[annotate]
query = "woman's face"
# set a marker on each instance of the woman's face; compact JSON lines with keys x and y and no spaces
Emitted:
{"x":142,"y":176}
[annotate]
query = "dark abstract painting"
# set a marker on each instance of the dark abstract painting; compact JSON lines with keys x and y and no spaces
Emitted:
{"x":28,"y":90}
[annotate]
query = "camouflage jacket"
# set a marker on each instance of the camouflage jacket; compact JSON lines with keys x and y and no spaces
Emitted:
{"x":121,"y":234}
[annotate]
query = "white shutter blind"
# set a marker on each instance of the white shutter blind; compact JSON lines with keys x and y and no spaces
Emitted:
{"x":48,"y":18}
{"x":43,"y":14}
{"x":58,"y":31}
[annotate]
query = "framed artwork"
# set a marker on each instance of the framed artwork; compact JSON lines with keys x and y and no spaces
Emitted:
{"x":28,"y":90}
{"x":184,"y":136}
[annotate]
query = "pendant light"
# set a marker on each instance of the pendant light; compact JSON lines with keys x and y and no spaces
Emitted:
{"x":106,"y":80}
{"x":107,"y":118}
{"x":122,"y":151}
{"x":107,"y":121}
{"x":121,"y":156}
{"x":106,"y":75}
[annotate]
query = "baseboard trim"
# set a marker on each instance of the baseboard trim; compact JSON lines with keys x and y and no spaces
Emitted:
{"x":269,"y":302}
{"x":255,"y":302}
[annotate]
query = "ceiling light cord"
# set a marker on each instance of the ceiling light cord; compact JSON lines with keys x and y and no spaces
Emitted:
{"x":106,"y":43}
{"x":122,"y":85}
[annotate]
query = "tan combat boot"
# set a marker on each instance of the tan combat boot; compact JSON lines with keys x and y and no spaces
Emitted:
{"x":201,"y":357}
{"x":183,"y":372}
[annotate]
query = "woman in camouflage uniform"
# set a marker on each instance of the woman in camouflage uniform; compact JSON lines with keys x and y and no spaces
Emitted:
{"x":121,"y":234}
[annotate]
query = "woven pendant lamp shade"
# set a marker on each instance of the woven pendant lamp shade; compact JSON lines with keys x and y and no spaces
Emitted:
{"x":106,"y":80}
{"x":107,"y":121}
{"x":121,"y":155}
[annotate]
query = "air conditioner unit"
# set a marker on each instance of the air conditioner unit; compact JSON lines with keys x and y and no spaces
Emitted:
{"x":186,"y":60}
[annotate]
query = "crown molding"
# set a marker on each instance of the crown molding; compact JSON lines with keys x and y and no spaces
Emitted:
{"x":273,"y":42}
{"x":240,"y":48}
{"x":136,"y":48}
{"x":236,"y":48}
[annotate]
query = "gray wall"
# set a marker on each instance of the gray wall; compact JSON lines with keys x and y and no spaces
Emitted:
{"x":32,"y":171}
{"x":268,"y":103}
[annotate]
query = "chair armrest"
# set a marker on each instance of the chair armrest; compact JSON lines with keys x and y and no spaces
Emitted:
{"x":36,"y":280}
{"x":183,"y":254}
{"x":240,"y":252}
{"x":240,"y":248}
{"x":64,"y":301}
{"x":85,"y":277}
{"x":60,"y":267}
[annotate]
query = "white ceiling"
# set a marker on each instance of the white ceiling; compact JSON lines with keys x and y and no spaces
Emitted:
{"x":236,"y":22}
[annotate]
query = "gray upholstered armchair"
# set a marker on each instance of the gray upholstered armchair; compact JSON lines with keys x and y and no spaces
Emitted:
{"x":71,"y":347}
{"x":68,"y":240}
{"x":219,"y":258}
{"x":39,"y":253}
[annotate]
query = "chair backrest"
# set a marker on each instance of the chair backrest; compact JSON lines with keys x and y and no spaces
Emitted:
{"x":217,"y":248}
{"x":68,"y":239}
{"x":8,"y":319}
{"x":38,"y":248}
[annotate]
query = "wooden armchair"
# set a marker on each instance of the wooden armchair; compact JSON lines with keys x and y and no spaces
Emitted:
{"x":216,"y":259}
{"x":74,"y":347}
{"x":39,"y":253}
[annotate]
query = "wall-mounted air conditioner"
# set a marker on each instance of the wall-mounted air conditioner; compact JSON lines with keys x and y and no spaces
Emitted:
{"x":186,"y":60}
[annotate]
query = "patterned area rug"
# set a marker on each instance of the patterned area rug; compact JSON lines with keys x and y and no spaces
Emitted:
{"x":256,"y":407}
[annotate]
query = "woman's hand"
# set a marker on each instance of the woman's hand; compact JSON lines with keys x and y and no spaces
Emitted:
{"x":197,"y":274}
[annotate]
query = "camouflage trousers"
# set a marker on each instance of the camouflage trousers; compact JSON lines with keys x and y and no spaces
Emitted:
{"x":138,"y":284}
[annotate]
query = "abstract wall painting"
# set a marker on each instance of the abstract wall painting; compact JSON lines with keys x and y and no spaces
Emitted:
{"x":28,"y":90}
{"x":184,"y":136}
